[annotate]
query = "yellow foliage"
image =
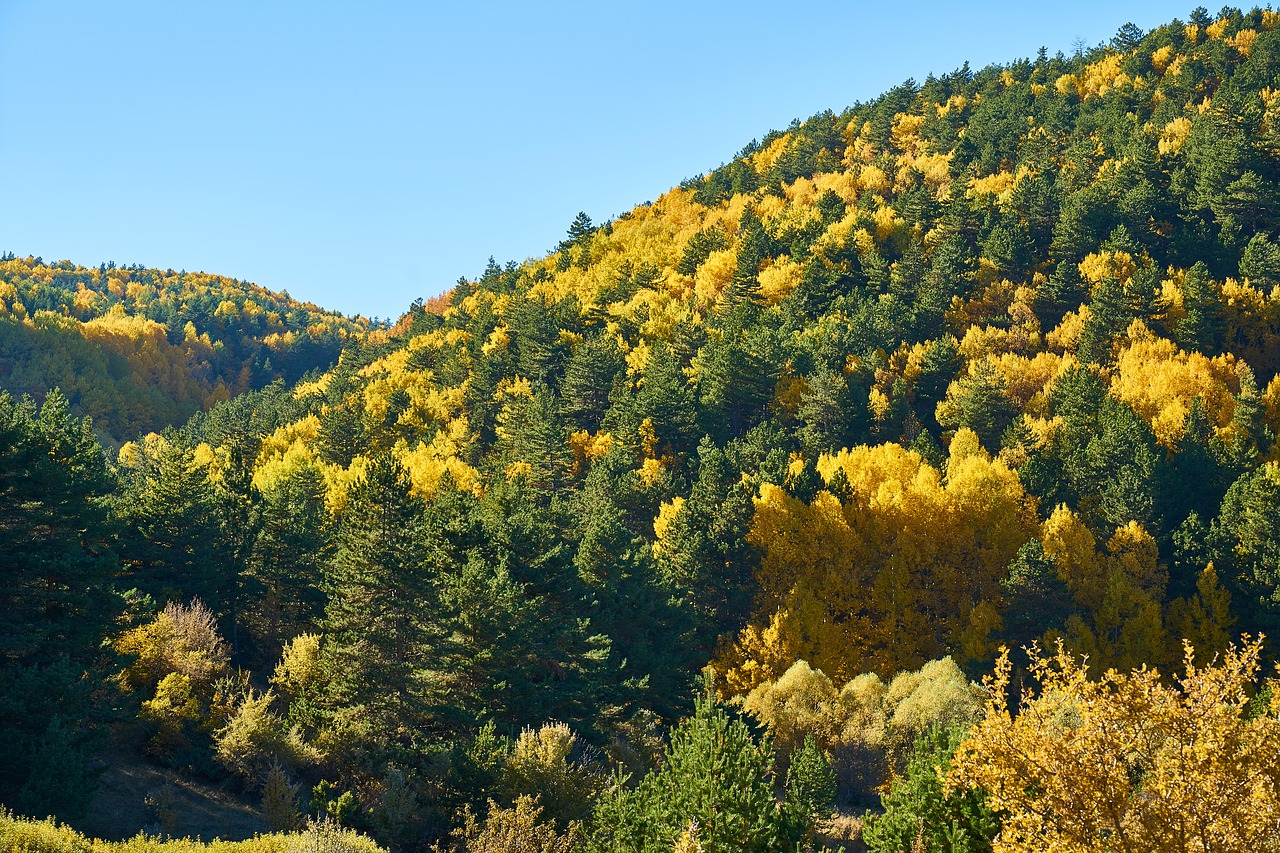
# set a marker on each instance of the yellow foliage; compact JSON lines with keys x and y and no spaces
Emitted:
{"x":1097,"y":267}
{"x":905,"y":134}
{"x":47,"y":836}
{"x":1119,"y":589}
{"x":864,"y":712}
{"x":847,"y":586}
{"x":873,"y":179}
{"x":180,"y":639}
{"x":1067,"y":336}
{"x":173,"y":703}
{"x":998,"y":185}
{"x":299,"y":667}
{"x":427,"y":464}
{"x":1243,"y":41}
{"x":1271,"y":404}
{"x":714,"y":275}
{"x":887,"y":223}
{"x":778,"y":279}
{"x":1160,"y":382}
{"x":1026,"y":377}
{"x":587,"y":447}
{"x":1174,"y":135}
{"x":1072,"y":548}
{"x":304,"y":390}
{"x":667,"y":513}
{"x":498,"y":339}
{"x":1102,"y":76}
{"x":1160,"y":58}
{"x":1161,"y":765}
{"x":651,"y":471}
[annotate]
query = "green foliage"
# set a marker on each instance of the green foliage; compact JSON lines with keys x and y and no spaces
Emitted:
{"x":378,"y":623}
{"x":53,"y":532}
{"x":715,"y":773}
{"x":920,"y":813}
{"x":811,"y":783}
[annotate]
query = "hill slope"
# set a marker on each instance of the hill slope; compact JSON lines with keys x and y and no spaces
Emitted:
{"x":990,"y":360}
{"x":1071,"y":261}
{"x":138,"y":349}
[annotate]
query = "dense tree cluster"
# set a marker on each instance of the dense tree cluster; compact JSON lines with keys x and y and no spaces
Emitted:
{"x":138,"y":349}
{"x":711,"y":521}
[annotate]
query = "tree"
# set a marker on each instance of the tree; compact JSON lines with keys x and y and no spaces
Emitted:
{"x":1104,"y":764}
{"x":1127,"y":38}
{"x":811,"y":783}
{"x":286,"y":564}
{"x":1036,"y":599}
{"x":887,"y":567}
{"x":716,"y":774}
{"x":823,"y":411}
{"x":978,"y":401}
{"x":579,"y":230}
{"x":532,"y":437}
{"x":1101,"y":460}
{"x":702,"y":548}
{"x":588,"y":380}
{"x":1201,"y":327}
{"x":920,"y":812}
{"x":382,"y":635}
{"x":53,"y":533}
{"x":737,"y":374}
{"x":1245,"y":545}
{"x":172,"y":543}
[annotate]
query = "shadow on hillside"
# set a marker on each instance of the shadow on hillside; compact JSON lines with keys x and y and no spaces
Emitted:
{"x":138,"y":797}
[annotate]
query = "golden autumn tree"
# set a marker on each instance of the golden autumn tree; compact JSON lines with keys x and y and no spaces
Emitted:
{"x":892,"y":564}
{"x":1130,"y":762}
{"x":1120,"y":593}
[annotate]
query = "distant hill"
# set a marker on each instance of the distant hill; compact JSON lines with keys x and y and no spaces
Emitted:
{"x":138,"y":349}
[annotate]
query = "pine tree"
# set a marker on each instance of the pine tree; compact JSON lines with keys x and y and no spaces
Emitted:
{"x":173,"y":540}
{"x":53,"y":533}
{"x":579,"y":229}
{"x":284,"y":574}
{"x":811,"y":783}
{"x":280,"y":801}
{"x":704,"y":553}
{"x":382,"y":634}
{"x":532,"y":434}
{"x":715,"y":773}
{"x":1201,"y":329}
{"x":920,"y":813}
{"x":588,"y":380}
{"x":823,"y":411}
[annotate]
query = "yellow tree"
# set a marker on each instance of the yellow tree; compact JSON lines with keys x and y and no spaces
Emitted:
{"x":893,"y":564}
{"x":1130,"y":762}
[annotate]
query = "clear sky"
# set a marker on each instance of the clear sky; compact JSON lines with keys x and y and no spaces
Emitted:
{"x":360,"y":155}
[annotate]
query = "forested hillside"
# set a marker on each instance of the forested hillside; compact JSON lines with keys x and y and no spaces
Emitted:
{"x":139,"y":349}
{"x":714,"y":522}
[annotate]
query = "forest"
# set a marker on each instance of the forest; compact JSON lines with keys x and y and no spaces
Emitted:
{"x":140,"y":349}
{"x":910,"y":482}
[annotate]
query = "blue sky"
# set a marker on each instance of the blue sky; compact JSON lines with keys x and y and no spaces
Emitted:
{"x":360,"y":155}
